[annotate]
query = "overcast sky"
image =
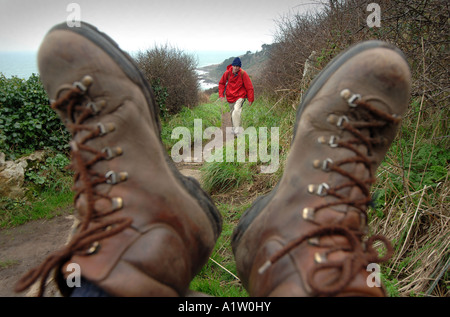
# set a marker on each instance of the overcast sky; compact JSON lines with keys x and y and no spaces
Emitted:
{"x":190,"y":25}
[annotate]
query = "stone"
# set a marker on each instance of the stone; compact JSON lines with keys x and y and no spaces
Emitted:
{"x":12,"y":174}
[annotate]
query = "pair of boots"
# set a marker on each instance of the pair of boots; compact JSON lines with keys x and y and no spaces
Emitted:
{"x":146,"y":230}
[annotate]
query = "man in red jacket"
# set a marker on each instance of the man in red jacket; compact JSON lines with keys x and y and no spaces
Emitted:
{"x":237,"y":86}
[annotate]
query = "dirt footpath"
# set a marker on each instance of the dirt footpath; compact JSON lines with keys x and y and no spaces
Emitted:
{"x":26,"y":246}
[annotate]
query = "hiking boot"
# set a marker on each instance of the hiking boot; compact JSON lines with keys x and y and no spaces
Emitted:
{"x":306,"y":237}
{"x":145,"y":230}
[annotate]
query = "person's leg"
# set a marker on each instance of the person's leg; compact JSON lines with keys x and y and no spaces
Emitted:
{"x":231,"y":105}
{"x":305,"y":238}
{"x":145,"y":230}
{"x":236,"y":115}
{"x":88,"y":289}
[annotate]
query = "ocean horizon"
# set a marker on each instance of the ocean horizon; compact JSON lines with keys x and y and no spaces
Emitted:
{"x":24,"y":63}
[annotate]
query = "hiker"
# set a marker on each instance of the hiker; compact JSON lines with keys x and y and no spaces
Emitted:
{"x":237,"y":86}
{"x":147,"y":230}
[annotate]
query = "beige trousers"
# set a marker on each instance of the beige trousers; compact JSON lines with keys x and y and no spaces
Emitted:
{"x":236,"y":109}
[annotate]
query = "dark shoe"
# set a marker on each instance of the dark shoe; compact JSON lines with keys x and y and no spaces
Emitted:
{"x":145,"y":230}
{"x":305,"y":238}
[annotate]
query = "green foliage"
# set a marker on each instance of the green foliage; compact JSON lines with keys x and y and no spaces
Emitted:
{"x":428,"y":166}
{"x":14,"y":212}
{"x":218,"y":277}
{"x":225,"y":176}
{"x":171,"y":72}
{"x":389,"y":284}
{"x":50,"y":174}
{"x":221,"y":175}
{"x":161,"y":95}
{"x":27,"y":123}
{"x":48,"y":185}
{"x":209,"y":113}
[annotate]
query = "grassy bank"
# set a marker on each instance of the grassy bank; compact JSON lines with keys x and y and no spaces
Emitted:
{"x":47,"y":205}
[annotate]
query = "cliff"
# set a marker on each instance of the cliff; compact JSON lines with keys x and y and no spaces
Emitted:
{"x":252,"y":63}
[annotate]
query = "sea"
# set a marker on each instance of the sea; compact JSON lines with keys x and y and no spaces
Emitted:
{"x":23,"y":64}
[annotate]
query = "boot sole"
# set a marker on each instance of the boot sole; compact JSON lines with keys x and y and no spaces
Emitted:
{"x":129,"y":67}
{"x":333,"y":66}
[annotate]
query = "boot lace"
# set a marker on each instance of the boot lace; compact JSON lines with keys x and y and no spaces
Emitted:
{"x":79,"y":107}
{"x":360,"y":255}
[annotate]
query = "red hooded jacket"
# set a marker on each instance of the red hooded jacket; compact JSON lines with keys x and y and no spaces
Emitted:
{"x":238,"y":86}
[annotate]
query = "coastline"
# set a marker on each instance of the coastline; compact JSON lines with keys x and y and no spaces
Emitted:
{"x":24,"y":64}
{"x":206,"y":79}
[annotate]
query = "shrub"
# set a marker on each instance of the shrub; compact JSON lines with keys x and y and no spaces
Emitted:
{"x":27,"y":123}
{"x":51,"y":174}
{"x":419,"y":28}
{"x":171,"y":73}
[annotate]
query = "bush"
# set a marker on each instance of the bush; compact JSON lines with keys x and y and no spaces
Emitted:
{"x":419,"y":28}
{"x":171,"y":73}
{"x":51,"y":174}
{"x":27,"y":123}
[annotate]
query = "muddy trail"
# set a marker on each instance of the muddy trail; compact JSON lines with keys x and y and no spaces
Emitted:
{"x":25,"y":247}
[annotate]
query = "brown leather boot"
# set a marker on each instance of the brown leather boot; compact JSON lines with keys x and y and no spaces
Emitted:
{"x":145,"y":230}
{"x":305,"y":238}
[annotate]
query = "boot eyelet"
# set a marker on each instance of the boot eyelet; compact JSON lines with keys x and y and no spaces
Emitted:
{"x":332,"y":119}
{"x":117,"y":203}
{"x":113,"y":178}
{"x":112,"y":153}
{"x":94,"y":248}
{"x":333,"y":141}
{"x":73,"y":146}
{"x":84,"y":84}
{"x":93,"y":107}
{"x":104,"y":129}
{"x":346,"y":93}
{"x":326,"y":164}
{"x":340,"y":123}
{"x":320,"y":257}
{"x":308,"y":213}
{"x":352,"y":99}
{"x":80,"y":86}
{"x":322,"y":190}
{"x":322,"y":140}
{"x":315,"y":241}
{"x":316,"y":163}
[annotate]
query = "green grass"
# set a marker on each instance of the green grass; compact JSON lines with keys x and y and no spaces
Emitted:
{"x":412,"y":204}
{"x":218,"y":277}
{"x":209,"y":113}
{"x":8,"y":263}
{"x":222,"y":175}
{"x":47,"y":205}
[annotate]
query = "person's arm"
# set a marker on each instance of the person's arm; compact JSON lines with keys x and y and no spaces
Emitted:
{"x":222,"y":83}
{"x":249,"y":88}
